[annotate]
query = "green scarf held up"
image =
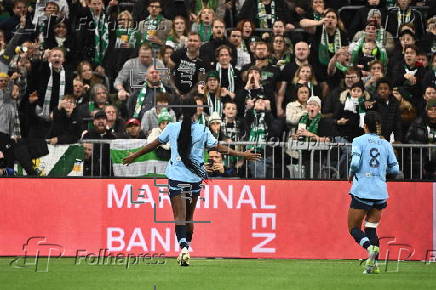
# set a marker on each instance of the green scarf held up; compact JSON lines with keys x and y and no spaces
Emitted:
{"x":133,"y":39}
{"x":311,"y":125}
{"x":101,"y":38}
{"x":210,"y":4}
{"x":91,"y":108}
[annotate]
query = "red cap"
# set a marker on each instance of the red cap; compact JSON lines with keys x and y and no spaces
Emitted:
{"x":133,"y":121}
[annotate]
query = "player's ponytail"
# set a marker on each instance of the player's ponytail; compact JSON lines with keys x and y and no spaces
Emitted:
{"x":184,"y":140}
{"x":373,"y":122}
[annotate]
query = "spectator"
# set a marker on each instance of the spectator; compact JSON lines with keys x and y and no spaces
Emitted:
{"x":203,"y":24}
{"x":9,"y":128}
{"x":208,"y":49}
{"x":349,"y":119}
{"x":332,"y":102}
{"x":296,"y":109}
{"x":212,"y":93}
{"x":264,"y":12}
{"x":92,"y":31}
{"x":80,"y":91}
{"x":228,"y":76}
{"x":371,"y":8}
{"x":367,"y":49}
{"x":404,"y":14}
{"x":143,"y":101}
{"x":132,"y":130}
{"x":408,"y":75}
{"x":196,"y":6}
{"x":215,"y":166}
{"x":243,"y":54}
{"x":60,"y":35}
{"x":215,"y":124}
{"x":66,"y":127}
{"x":423,"y":129}
{"x":201,"y":116}
{"x":187,"y":66}
{"x":376,"y":71}
{"x":429,"y":94}
{"x":150,"y":119}
{"x":131,"y":77}
{"x":233,"y":127}
{"x":269,"y":74}
{"x":114,"y":123}
{"x":303,"y":76}
{"x":281,"y":54}
{"x":248,"y":29}
{"x":302,"y":53}
{"x":163,"y":151}
{"x":389,"y":109}
{"x":259,"y":119}
{"x":48,"y":82}
{"x":178,"y":36}
{"x":155,"y":27}
{"x":99,"y":95}
{"x":9,"y":25}
{"x":312,"y":126}
{"x":100,"y":154}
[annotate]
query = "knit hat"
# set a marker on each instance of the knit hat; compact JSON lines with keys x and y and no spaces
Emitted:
{"x":213,"y":74}
{"x":314,"y":99}
{"x":431,"y":103}
{"x":215,"y":118}
{"x":373,"y":12}
{"x":163,"y":116}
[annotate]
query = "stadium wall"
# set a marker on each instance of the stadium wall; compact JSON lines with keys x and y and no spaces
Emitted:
{"x":238,"y":218}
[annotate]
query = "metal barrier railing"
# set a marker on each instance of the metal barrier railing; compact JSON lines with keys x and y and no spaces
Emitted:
{"x":287,"y":160}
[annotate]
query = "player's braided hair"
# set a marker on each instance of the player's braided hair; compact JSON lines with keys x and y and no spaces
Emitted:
{"x":373,"y":122}
{"x":184,"y":141}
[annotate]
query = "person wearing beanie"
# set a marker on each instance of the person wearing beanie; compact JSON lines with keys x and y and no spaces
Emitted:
{"x":164,"y":118}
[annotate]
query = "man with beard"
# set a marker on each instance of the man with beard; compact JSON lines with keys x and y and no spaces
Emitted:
{"x":207,"y":50}
{"x":187,"y":65}
{"x":269,"y":74}
{"x":87,"y":110}
{"x":144,"y":100}
{"x":302,"y":52}
{"x":100,"y":163}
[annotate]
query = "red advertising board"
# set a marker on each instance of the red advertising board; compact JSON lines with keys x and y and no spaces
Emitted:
{"x":237,"y":218}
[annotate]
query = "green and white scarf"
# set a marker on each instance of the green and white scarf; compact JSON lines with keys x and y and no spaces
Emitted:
{"x":380,"y":37}
{"x":151,"y":24}
{"x":44,"y":112}
{"x":230,"y":76}
{"x":101,"y":37}
{"x":403,"y":16}
{"x":381,"y":55}
{"x":262,"y":16}
{"x":214,"y":105}
{"x":311,"y":125}
{"x":132,"y":37}
{"x":326,"y":48}
{"x":257,"y":131}
{"x":141,"y":97}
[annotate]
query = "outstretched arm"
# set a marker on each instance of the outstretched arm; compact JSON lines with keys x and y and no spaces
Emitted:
{"x":144,"y":150}
{"x":248,"y":155}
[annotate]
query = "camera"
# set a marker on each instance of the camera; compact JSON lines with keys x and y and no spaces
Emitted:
{"x":210,"y":162}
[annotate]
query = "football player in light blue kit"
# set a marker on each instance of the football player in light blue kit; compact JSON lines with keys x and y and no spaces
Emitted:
{"x":372,"y":158}
{"x":185,"y":171}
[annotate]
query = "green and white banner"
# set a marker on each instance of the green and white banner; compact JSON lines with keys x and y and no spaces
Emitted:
{"x":62,"y":160}
{"x":146,"y":165}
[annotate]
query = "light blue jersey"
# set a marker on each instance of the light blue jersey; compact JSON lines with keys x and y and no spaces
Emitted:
{"x":372,"y":158}
{"x":201,"y":138}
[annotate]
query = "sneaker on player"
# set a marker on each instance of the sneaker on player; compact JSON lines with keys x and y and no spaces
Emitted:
{"x":183,"y":258}
{"x":370,"y":264}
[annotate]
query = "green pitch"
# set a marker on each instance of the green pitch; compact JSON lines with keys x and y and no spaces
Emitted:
{"x":218,"y":274}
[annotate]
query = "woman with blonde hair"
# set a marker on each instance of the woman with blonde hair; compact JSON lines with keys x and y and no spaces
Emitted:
{"x":203,"y":25}
{"x":303,"y":76}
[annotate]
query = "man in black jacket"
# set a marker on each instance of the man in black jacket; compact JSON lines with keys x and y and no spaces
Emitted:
{"x":48,"y":83}
{"x":389,"y":109}
{"x":65,"y":128}
{"x":100,"y":163}
{"x":208,"y":50}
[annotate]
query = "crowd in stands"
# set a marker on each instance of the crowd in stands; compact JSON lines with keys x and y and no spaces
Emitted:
{"x":258,"y":69}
